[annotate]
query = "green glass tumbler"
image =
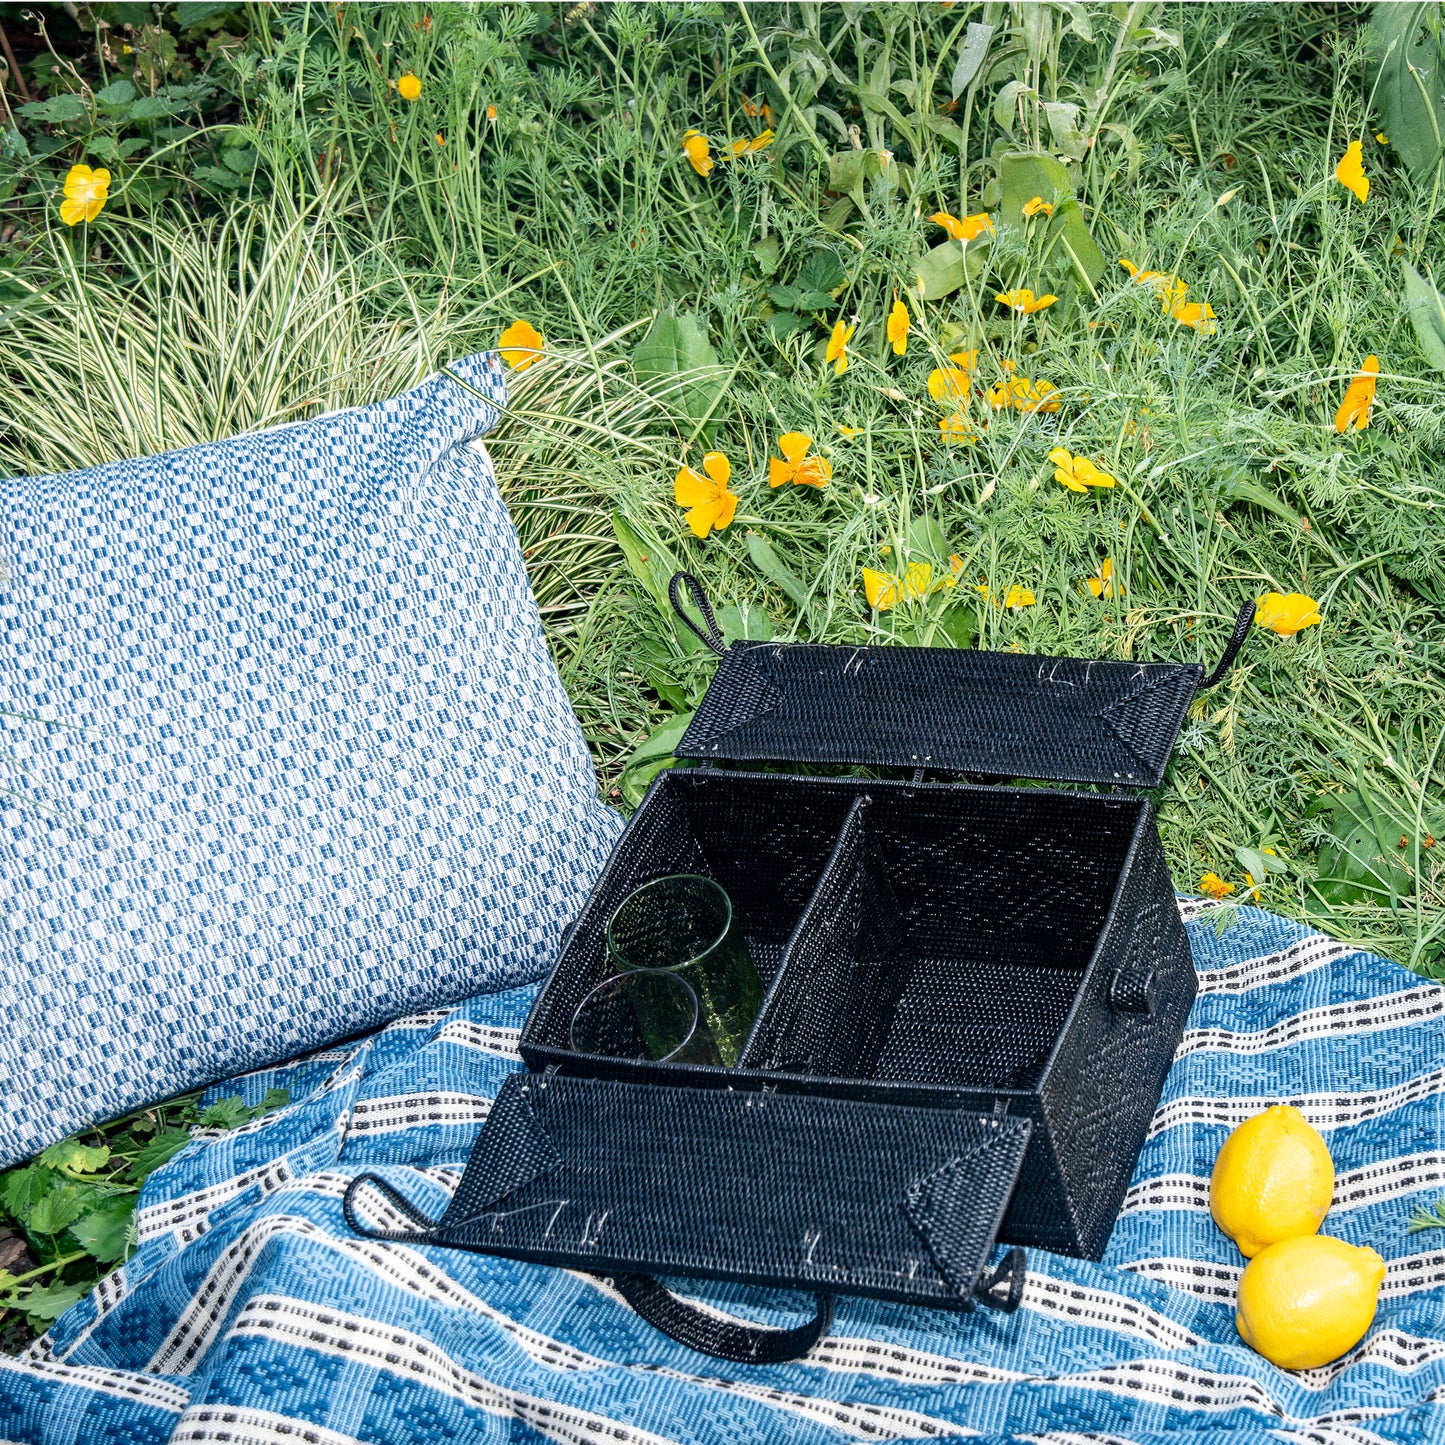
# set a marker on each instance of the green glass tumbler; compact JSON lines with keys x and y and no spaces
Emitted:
{"x":684,"y":925}
{"x":647,"y":1013}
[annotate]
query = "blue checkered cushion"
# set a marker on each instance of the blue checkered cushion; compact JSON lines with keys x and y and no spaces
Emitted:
{"x":306,"y":763}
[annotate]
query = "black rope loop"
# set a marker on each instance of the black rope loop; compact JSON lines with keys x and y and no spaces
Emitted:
{"x":393,"y":1197}
{"x":1012,"y":1272}
{"x":1236,"y":641}
{"x":724,"y":1339}
{"x":712,"y":638}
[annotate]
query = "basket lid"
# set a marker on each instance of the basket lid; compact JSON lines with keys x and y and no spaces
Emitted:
{"x":794,"y":1191}
{"x":1005,"y":714}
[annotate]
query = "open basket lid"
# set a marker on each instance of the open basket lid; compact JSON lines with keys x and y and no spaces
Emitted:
{"x":1004,"y":714}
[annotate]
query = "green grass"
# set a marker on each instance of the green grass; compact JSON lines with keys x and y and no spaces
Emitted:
{"x":360,"y":251}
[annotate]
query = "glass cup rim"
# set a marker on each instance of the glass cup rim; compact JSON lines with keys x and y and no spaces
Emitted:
{"x":672,"y":976}
{"x":614,"y":953}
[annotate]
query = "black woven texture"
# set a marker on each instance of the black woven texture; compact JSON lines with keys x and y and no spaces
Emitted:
{"x":801,"y":1192}
{"x":765,"y":840}
{"x":1003,"y":714}
{"x":956,"y":944}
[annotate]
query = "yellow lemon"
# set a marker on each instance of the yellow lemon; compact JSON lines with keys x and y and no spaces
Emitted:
{"x":1273,"y":1180}
{"x":1303,"y":1302}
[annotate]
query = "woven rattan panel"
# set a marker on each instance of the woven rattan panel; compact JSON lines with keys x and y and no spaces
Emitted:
{"x":947,"y":941}
{"x":1005,"y":714}
{"x":795,"y":1191}
{"x":765,"y":840}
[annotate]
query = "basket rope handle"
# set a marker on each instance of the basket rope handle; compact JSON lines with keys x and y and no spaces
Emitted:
{"x":393,"y":1197}
{"x":712,"y":638}
{"x":722,"y":1338}
{"x":1231,"y":648}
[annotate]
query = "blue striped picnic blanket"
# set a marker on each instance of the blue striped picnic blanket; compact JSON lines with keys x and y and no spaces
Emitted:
{"x":250,"y":1313}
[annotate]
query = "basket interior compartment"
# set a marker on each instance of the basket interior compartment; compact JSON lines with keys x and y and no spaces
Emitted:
{"x":949,"y":942}
{"x":765,"y":840}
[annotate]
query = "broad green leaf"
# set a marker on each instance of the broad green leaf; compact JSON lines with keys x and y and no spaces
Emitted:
{"x":655,"y":754}
{"x":1245,"y":489}
{"x":782,"y":324}
{"x":784,"y":296}
{"x":650,"y":562}
{"x":1026,"y":174}
{"x":78,"y":1158}
{"x":46,"y":1303}
{"x":941,"y":271}
{"x":55,"y":1210}
{"x":1006,"y":103}
{"x":767,"y":253}
{"x":1063,"y":119}
{"x":813,"y":301}
{"x":1258,"y":864}
{"x":767,"y":561}
{"x":57,"y":110}
{"x":928,"y":542}
{"x":160,"y":1149}
{"x":850,"y":171}
{"x":971,"y":56}
{"x":1362,"y":860}
{"x":959,"y":624}
{"x":107,"y":1232}
{"x":190,"y":13}
{"x":228,"y":1113}
{"x":118,"y":92}
{"x":822,"y":271}
{"x":676,"y":360}
{"x":1427,"y":315}
{"x":747,"y":622}
{"x":23,"y":1188}
{"x":152,"y":107}
{"x":1407,"y":76}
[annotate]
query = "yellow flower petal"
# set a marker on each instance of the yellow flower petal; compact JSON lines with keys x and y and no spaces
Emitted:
{"x":1038,"y":206}
{"x":880,"y":589}
{"x":813,"y":472}
{"x":1019,"y":597}
{"x":849,"y":431}
{"x":956,"y":428}
{"x":898,"y":328}
{"x":948,"y":382}
{"x":408,"y":87}
{"x":1024,"y":300}
{"x":690,"y":487}
{"x":794,"y":445}
{"x":967,"y":229}
{"x":760,"y":142}
{"x":837,"y":344}
{"x":1198,"y":314}
{"x":711,"y":505}
{"x":1359,"y":398}
{"x":1350,"y":172}
{"x":85,"y":194}
{"x":916,"y":579}
{"x":521,"y":345}
{"x":1214,"y":885}
{"x":1105,"y":584}
{"x":1286,"y":613}
{"x":696,"y":148}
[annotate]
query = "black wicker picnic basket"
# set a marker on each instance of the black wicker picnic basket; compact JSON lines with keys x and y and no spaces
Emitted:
{"x":973,"y":992}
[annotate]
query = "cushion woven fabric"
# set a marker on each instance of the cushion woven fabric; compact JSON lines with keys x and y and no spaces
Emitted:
{"x":251,"y":1313}
{"x":307,"y":764}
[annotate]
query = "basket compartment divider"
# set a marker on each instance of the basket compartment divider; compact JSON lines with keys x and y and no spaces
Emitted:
{"x":831,"y":1006}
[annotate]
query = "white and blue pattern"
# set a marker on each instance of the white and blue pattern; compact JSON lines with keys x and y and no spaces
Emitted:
{"x":308,"y":765}
{"x":250,"y":1314}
